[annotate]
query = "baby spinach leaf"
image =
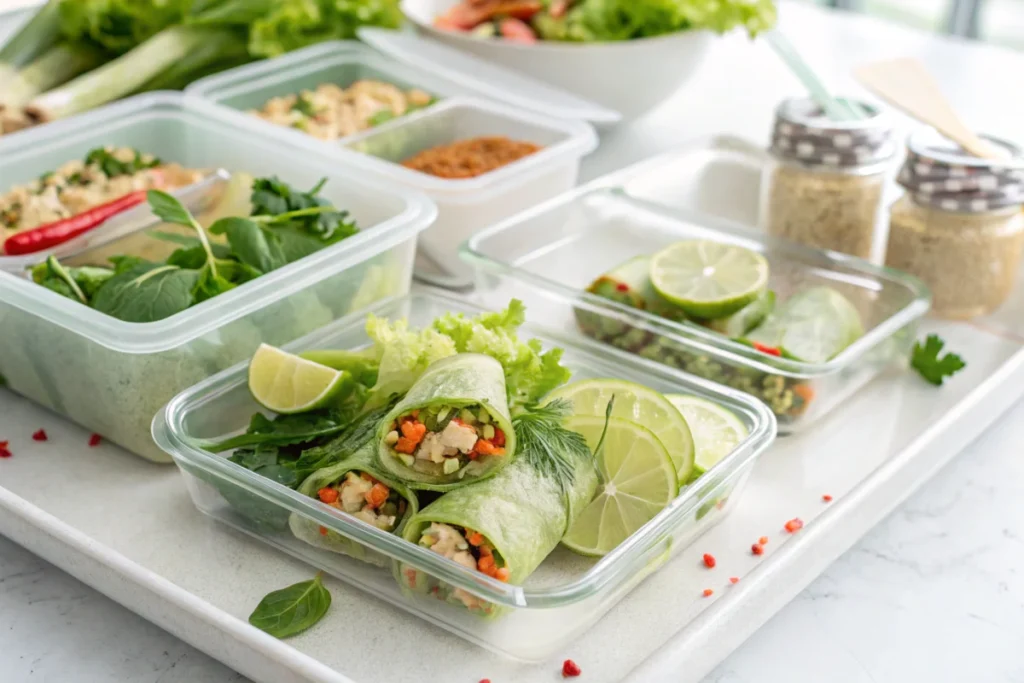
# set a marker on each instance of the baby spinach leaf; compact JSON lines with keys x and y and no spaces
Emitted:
{"x":292,"y":610}
{"x":360,"y":432}
{"x":283,"y":430}
{"x":124,"y":263}
{"x":271,"y":197}
{"x":194,"y":256}
{"x":55,"y":277}
{"x":167,"y":208}
{"x":147,"y":292}
{"x":251,"y":243}
{"x":262,"y":455}
{"x":283,"y":474}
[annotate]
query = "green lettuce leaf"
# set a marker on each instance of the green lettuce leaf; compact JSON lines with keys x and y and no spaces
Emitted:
{"x":403,"y":354}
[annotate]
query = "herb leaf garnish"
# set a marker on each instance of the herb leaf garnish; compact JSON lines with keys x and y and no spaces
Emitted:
{"x":292,"y":610}
{"x":547,"y":445}
{"x":925,"y":359}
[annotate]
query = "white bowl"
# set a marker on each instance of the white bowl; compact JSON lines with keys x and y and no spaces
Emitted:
{"x":630,"y":76}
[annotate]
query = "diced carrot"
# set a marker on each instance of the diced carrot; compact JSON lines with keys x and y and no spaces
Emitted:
{"x":484,"y":447}
{"x":804,"y":391}
{"x":499,"y":451}
{"x":323,"y":531}
{"x":486,"y":551}
{"x":502,"y":574}
{"x":499,"y":437}
{"x":407,"y":446}
{"x":328,"y":495}
{"x":485,"y":563}
{"x":475,"y":538}
{"x":414,"y":431}
{"x":376,"y":496}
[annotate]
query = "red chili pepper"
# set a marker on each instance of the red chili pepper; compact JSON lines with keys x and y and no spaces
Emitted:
{"x":94,"y":440}
{"x":794,"y":525}
{"x":770,"y":350}
{"x":499,"y":438}
{"x":58,"y":232}
{"x":709,"y":561}
{"x":5,"y":452}
{"x":708,"y":592}
{"x":757,"y":549}
{"x":40,"y":435}
{"x":570,"y":669}
{"x":763,"y":540}
{"x":827,"y":498}
{"x":734,"y":580}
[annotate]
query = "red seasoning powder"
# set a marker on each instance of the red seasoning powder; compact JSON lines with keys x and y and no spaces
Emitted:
{"x":470,"y":158}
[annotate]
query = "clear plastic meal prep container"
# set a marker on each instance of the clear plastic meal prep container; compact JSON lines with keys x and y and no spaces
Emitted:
{"x":549,"y":255}
{"x":506,"y":103}
{"x":112,"y":376}
{"x":564,"y":597}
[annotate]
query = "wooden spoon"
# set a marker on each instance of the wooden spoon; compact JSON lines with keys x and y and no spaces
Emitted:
{"x":906,"y":84}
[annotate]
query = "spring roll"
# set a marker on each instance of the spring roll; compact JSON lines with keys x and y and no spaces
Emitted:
{"x":452,"y":428}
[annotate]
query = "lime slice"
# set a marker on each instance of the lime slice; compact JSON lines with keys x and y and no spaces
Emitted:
{"x":285,"y":383}
{"x":639,"y":481}
{"x":716,"y":430}
{"x":745,"y":319}
{"x":638,"y":404}
{"x":813,"y":326}
{"x":709,"y":279}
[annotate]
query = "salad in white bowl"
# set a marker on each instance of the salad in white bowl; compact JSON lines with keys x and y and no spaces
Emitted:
{"x":599,"y":49}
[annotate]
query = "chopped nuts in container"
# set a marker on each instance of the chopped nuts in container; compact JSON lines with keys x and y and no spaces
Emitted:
{"x":959,"y":227}
{"x":825,"y":185}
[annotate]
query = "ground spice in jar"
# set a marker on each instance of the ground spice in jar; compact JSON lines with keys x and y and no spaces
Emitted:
{"x":825,"y":185}
{"x":959,"y":227}
{"x":470,"y":158}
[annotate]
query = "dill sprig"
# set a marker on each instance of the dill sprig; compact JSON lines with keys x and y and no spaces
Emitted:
{"x":544,"y":442}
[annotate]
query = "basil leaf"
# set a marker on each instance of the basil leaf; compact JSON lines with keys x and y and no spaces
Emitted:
{"x":292,"y":610}
{"x":147,"y":293}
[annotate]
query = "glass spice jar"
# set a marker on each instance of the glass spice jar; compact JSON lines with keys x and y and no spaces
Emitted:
{"x":959,"y":226}
{"x":825,"y":183}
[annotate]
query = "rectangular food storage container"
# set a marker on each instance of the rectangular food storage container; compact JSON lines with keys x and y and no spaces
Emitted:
{"x":560,"y":600}
{"x":550,"y":254}
{"x":111,"y":376}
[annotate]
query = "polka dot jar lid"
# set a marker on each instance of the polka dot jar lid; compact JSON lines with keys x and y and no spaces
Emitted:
{"x":803,"y":133}
{"x":938,"y":173}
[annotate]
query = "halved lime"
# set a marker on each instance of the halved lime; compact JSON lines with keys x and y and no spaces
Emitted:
{"x":813,"y":326}
{"x":716,"y":430}
{"x":286,"y":383}
{"x":638,"y":482}
{"x":709,"y":279}
{"x":639,"y":404}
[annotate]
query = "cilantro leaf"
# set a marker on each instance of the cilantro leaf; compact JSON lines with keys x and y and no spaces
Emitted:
{"x":272,"y":197}
{"x":930,"y":365}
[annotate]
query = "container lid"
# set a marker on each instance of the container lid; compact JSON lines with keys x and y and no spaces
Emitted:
{"x":939,"y":173}
{"x":803,"y":133}
{"x":487,"y":78}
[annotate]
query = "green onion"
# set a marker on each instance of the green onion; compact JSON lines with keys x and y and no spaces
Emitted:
{"x":56,"y":66}
{"x":35,"y":37}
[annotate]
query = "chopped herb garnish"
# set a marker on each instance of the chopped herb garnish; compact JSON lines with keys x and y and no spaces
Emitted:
{"x":928,"y":363}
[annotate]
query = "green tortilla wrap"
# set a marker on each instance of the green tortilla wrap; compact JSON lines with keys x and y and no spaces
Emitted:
{"x":363,"y":461}
{"x":523,"y":512}
{"x":460,"y":389}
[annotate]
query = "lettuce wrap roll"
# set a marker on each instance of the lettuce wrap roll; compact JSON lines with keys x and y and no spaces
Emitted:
{"x":359,"y":486}
{"x":452,"y":428}
{"x":505,"y":526}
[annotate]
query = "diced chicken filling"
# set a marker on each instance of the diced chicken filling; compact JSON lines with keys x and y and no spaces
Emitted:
{"x":443,"y":441}
{"x":104,"y":175}
{"x":468,"y":548}
{"x":367,"y":499}
{"x":330,"y":112}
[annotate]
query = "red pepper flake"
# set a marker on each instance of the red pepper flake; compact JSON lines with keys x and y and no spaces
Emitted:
{"x":708,"y":592}
{"x":40,"y":435}
{"x":323,"y":531}
{"x":570,"y":669}
{"x":763,"y":540}
{"x":734,"y":580}
{"x":827,"y":498}
{"x":709,"y":561}
{"x":95,"y":440}
{"x":757,"y":549}
{"x":794,"y":525}
{"x":5,"y":452}
{"x":622,"y":287}
{"x":485,"y":680}
{"x":770,"y":350}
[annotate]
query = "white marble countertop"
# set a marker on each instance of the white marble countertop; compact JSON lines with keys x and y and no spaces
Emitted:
{"x":931,"y":594}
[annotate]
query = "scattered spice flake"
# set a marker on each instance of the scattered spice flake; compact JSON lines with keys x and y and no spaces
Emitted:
{"x":485,"y":680}
{"x":95,"y":440}
{"x":734,"y":580}
{"x":40,"y":435}
{"x":770,"y":350}
{"x":827,"y":498}
{"x":794,"y":525}
{"x":622,"y":287}
{"x":757,"y":549}
{"x":570,"y":669}
{"x":323,"y":531}
{"x":708,"y":592}
{"x":5,"y":452}
{"x":709,"y":560}
{"x":763,"y":540}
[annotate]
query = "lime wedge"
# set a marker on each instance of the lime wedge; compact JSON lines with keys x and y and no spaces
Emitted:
{"x":638,"y":404}
{"x":639,"y":481}
{"x":813,"y":326}
{"x":716,"y":430}
{"x":285,"y":383}
{"x":709,"y":279}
